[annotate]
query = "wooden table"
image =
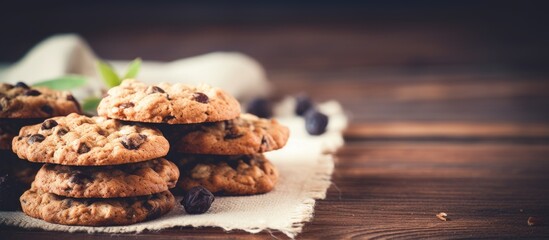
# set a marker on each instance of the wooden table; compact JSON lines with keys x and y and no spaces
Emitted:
{"x":442,"y":120}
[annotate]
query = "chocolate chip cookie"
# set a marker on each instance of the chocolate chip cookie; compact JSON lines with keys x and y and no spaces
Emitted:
{"x":22,"y":101}
{"x":227,"y":175}
{"x":88,"y":141}
{"x":247,"y":134}
{"x":95,"y":211}
{"x":168,"y":103}
{"x":127,"y":180}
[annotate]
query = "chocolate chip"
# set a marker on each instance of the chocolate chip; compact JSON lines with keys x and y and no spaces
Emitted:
{"x":22,"y":85}
{"x":201,"y":97}
{"x":83,"y":148}
{"x":32,"y":92}
{"x":72,"y":99}
{"x":155,"y":89}
{"x":133,"y":141}
{"x":167,"y":118}
{"x":36,"y":138}
{"x":127,"y":105}
{"x":232,"y":135}
{"x":49,"y":124}
{"x":79,"y":178}
{"x":47,"y":109}
{"x":62,"y":131}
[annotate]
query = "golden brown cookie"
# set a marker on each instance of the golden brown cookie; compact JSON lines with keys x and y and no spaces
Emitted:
{"x":22,"y":101}
{"x":95,"y":211}
{"x":126,"y":180}
{"x":88,"y":141}
{"x":247,"y":134}
{"x":168,"y":103}
{"x":227,"y":175}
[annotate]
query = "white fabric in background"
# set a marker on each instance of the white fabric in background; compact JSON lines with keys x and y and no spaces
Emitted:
{"x":305,"y":166}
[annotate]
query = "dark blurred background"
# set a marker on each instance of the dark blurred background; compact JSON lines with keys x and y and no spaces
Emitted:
{"x":385,"y":60}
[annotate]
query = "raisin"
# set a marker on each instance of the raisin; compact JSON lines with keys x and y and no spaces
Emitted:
{"x":83,"y":148}
{"x":36,"y":138}
{"x":155,"y":89}
{"x":303,"y":104}
{"x":260,"y":107}
{"x":22,"y":85}
{"x":197,"y":200}
{"x":133,"y":141}
{"x":127,"y":105}
{"x":315,"y":122}
{"x":32,"y":92}
{"x":49,"y":124}
{"x":201,"y":97}
{"x":47,"y":109}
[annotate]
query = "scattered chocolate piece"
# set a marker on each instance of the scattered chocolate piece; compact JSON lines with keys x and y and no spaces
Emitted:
{"x":197,"y":200}
{"x":260,"y":107}
{"x":48,"y":124}
{"x":79,"y":178}
{"x":535,"y":221}
{"x":442,"y":216}
{"x":315,"y":122}
{"x":303,"y":104}
{"x":22,"y":85}
{"x":167,"y":118}
{"x":201,"y":97}
{"x":36,"y":138}
{"x":133,"y":141}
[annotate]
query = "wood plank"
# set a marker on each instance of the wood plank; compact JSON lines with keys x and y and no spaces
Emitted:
{"x":446,"y":129}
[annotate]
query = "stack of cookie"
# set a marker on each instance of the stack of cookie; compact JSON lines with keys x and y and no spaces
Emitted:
{"x":21,"y":105}
{"x":212,"y":143}
{"x":98,"y":171}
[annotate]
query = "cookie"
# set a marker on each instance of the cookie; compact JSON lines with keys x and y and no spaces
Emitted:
{"x":20,"y":170}
{"x":247,"y":134}
{"x":227,"y":175}
{"x":127,"y":180}
{"x":168,"y":103}
{"x":9,"y":128}
{"x":88,"y":141}
{"x":95,"y":211}
{"x":22,"y":101}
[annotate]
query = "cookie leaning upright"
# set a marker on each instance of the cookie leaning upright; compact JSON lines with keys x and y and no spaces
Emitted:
{"x":88,"y":141}
{"x":168,"y":103}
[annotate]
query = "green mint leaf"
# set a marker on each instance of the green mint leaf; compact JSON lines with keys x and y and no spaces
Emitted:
{"x":109,"y":75}
{"x":90,"y":104}
{"x":63,"y":83}
{"x":133,"y":69}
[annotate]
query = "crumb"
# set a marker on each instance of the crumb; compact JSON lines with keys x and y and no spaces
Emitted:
{"x":442,"y":216}
{"x":534,"y":221}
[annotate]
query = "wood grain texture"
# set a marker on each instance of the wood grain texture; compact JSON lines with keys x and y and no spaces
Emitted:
{"x":444,"y":117}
